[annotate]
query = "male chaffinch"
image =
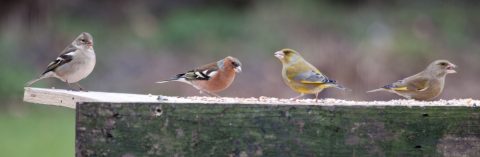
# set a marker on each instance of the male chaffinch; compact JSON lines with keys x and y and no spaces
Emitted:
{"x":75,"y":62}
{"x":211,"y":78}
{"x":424,"y":85}
{"x":301,"y":76}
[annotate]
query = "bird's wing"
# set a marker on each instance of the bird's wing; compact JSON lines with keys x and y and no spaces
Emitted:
{"x":202,"y":73}
{"x":409,"y":84}
{"x":418,"y":83}
{"x":65,"y":57}
{"x":68,"y":49}
{"x":313,"y":78}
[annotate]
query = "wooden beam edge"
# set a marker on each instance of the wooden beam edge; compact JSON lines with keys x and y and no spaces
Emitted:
{"x":67,"y":98}
{"x":40,"y":96}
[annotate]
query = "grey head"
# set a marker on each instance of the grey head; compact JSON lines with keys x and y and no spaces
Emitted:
{"x":84,"y":40}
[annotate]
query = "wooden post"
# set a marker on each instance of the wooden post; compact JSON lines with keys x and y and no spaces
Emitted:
{"x":170,"y":127}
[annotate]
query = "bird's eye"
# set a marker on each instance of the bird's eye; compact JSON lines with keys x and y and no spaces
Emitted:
{"x":443,"y":64}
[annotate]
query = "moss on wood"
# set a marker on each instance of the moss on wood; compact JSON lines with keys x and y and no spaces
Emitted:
{"x":137,"y":130}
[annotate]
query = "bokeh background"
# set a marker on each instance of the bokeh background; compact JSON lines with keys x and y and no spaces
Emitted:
{"x":363,"y":44}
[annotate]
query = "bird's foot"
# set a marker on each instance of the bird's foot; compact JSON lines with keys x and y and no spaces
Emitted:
{"x":297,"y":97}
{"x":209,"y":93}
{"x":78,"y":87}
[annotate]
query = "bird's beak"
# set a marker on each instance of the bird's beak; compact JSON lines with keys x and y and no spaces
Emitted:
{"x":90,"y":44}
{"x":238,"y":69}
{"x":451,"y":69}
{"x":279,"y":54}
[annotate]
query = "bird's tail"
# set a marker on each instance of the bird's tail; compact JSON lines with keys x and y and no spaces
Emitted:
{"x":334,"y":84}
{"x":376,"y":90}
{"x":342,"y":87}
{"x":175,"y":78}
{"x":29,"y":83}
{"x":164,"y":81}
{"x":44,"y":75}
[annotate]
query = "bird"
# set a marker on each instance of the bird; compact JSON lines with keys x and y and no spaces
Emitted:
{"x":211,"y":78}
{"x":73,"y":64}
{"x":425,"y":85}
{"x":302,"y":76}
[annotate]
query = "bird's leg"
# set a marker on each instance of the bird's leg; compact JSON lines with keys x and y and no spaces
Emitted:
{"x":79,"y":86}
{"x":295,"y":98}
{"x":401,"y":94}
{"x":70,"y":86}
{"x":316,"y":97}
{"x":201,"y":91}
{"x":209,"y":93}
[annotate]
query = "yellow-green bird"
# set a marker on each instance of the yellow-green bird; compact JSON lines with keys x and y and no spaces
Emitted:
{"x":425,"y":85}
{"x":301,"y":76}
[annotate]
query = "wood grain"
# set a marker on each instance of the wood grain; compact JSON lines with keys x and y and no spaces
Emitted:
{"x":68,"y":98}
{"x":172,"y":129}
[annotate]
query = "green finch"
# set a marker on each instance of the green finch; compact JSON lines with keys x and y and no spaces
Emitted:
{"x":425,"y":85}
{"x":211,"y":78}
{"x":301,"y":76}
{"x":75,"y":62}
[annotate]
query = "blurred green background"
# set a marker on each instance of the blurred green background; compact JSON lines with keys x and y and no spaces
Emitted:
{"x":363,"y":44}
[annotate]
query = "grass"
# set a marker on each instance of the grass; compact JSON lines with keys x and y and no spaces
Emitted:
{"x":37,"y":130}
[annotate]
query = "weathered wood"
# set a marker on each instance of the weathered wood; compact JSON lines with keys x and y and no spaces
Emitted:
{"x":68,"y":98}
{"x":193,"y":129}
{"x":119,"y":124}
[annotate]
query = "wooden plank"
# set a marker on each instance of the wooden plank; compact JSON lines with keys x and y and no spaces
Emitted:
{"x":198,"y":129}
{"x":120,"y":124}
{"x":68,"y":98}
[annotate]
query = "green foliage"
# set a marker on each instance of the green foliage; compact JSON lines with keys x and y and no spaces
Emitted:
{"x":13,"y":75}
{"x":253,"y":32}
{"x":206,"y":29}
{"x":39,"y":131}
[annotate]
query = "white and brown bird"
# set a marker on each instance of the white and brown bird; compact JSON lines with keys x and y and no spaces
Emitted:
{"x":425,"y":85}
{"x":211,"y":78}
{"x":73,"y":64}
